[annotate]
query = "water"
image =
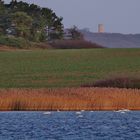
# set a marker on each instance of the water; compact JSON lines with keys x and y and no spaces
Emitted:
{"x":69,"y":126}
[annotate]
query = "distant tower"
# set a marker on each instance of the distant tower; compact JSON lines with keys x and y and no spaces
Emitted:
{"x":100,"y":28}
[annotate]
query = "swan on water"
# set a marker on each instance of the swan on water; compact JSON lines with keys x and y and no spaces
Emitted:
{"x":123,"y":110}
{"x":78,"y":112}
{"x":47,"y":113}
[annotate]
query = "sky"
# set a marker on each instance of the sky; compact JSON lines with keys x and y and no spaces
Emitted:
{"x":118,"y":16}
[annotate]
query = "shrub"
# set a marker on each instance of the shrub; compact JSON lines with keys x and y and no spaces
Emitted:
{"x":43,"y":45}
{"x":14,"y":42}
{"x":119,"y":82}
{"x":73,"y":44}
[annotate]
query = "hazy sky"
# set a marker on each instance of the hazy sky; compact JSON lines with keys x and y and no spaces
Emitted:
{"x":120,"y":16}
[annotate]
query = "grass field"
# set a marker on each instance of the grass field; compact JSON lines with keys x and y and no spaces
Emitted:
{"x":65,"y":68}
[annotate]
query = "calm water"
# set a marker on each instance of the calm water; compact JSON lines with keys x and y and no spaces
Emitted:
{"x":69,"y":126}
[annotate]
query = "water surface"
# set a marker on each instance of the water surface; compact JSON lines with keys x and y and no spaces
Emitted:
{"x":69,"y":126}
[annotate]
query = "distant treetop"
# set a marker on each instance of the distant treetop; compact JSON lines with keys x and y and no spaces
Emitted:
{"x":29,"y":21}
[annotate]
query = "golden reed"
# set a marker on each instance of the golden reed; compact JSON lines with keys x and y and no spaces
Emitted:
{"x":69,"y":99}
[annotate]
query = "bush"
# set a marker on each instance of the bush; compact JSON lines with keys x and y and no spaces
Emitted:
{"x":14,"y":42}
{"x":119,"y":82}
{"x":43,"y":45}
{"x":73,"y":44}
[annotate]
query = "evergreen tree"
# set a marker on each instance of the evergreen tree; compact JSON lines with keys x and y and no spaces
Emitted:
{"x":30,"y":21}
{"x":22,"y":24}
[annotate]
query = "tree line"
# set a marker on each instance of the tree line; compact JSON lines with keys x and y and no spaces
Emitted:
{"x":29,"y":21}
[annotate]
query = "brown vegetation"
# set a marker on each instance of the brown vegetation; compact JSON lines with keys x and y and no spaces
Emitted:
{"x":59,"y":44}
{"x":73,"y":44}
{"x":70,"y":99}
{"x":119,"y":82}
{"x":6,"y":48}
{"x":42,"y":46}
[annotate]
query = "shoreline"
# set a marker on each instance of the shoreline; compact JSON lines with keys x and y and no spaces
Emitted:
{"x":69,"y":99}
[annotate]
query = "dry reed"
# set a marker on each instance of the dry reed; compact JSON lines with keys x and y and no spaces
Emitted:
{"x":69,"y":99}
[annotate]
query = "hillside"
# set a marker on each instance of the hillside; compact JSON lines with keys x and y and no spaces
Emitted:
{"x":113,"y":40}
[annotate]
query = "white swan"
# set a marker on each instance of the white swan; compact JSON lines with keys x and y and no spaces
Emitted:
{"x":78,"y":113}
{"x":47,"y":113}
{"x":126,"y":110}
{"x":123,"y":111}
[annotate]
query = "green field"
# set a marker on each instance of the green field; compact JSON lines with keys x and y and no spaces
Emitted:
{"x":65,"y":68}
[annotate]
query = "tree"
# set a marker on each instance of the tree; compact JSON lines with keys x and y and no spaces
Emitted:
{"x":75,"y":33}
{"x":30,"y":21}
{"x":3,"y":17}
{"x":2,"y":7}
{"x":22,"y":6}
{"x":1,"y":2}
{"x":53,"y":24}
{"x":22,"y":24}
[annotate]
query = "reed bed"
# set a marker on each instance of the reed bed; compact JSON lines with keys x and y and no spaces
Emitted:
{"x":69,"y":99}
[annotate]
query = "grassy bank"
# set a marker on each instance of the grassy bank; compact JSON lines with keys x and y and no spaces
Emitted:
{"x":70,"y":99}
{"x":65,"y":68}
